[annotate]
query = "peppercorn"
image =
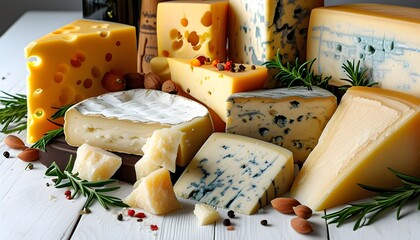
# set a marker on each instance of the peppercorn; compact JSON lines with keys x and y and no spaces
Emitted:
{"x":131,"y":212}
{"x":253,"y":67}
{"x":30,"y":166}
{"x":231,"y":214}
{"x":120,"y":217}
{"x":226,"y":222}
{"x":264,"y":222}
{"x":6,"y":154}
{"x":220,"y":67}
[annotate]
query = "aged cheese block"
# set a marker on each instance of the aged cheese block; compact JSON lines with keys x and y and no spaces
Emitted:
{"x":380,"y":36}
{"x":154,"y":194}
{"x":257,"y":29}
{"x":95,"y":164}
{"x":189,"y":28}
{"x":212,"y":87}
{"x":206,"y":214}
{"x":123,"y":121}
{"x":160,"y":150}
{"x":290,"y":117}
{"x":68,"y":64}
{"x":372,"y":130}
{"x":237,"y":172}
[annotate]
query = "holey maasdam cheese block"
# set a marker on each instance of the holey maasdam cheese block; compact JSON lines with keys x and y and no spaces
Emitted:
{"x":123,"y":121}
{"x":237,"y":172}
{"x":68,"y":64}
{"x":382,"y":37}
{"x":372,"y":130}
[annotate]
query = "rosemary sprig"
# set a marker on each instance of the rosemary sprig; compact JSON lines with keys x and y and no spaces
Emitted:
{"x":356,"y":76}
{"x":365,"y":213}
{"x":297,"y":74}
{"x":90,"y":190}
{"x":50,"y":135}
{"x":13,"y":114}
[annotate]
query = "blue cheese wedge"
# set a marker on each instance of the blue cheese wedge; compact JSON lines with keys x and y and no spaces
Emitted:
{"x":289,"y":117}
{"x":236,"y":172}
{"x":123,"y":121}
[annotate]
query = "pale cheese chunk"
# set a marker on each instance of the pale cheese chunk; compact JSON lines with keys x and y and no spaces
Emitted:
{"x":154,"y":194}
{"x":160,"y":150}
{"x":95,"y":164}
{"x":123,"y":121}
{"x":205,"y":213}
{"x":372,"y":130}
{"x":237,"y":172}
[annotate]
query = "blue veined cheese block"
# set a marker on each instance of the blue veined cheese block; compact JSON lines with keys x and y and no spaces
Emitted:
{"x":236,"y":172}
{"x":258,"y":28}
{"x":289,"y":117}
{"x":380,"y":36}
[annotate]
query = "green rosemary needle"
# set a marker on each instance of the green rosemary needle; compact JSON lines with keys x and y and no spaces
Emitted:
{"x":356,"y":77}
{"x":365,"y":213}
{"x":297,"y":74}
{"x":91,"y":190}
{"x":13,"y":114}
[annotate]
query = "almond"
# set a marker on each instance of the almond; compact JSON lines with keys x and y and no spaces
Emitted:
{"x":29,"y":154}
{"x":303,"y":211}
{"x":14,"y":142}
{"x":300,"y":225}
{"x":284,"y":205}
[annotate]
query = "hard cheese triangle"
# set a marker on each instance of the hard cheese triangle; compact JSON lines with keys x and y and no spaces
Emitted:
{"x":236,"y":172}
{"x":372,"y":130}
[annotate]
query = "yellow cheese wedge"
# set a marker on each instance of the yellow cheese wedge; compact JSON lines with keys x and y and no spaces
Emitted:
{"x":95,"y":164}
{"x":206,"y":214}
{"x":154,"y":194}
{"x":189,"y":28}
{"x":68,"y":64}
{"x":372,"y":130}
{"x":213,"y":87}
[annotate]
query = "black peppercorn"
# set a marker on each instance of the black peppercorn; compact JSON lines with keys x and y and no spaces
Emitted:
{"x":120,"y":217}
{"x":264,"y":222}
{"x":226,"y":222}
{"x":231,"y":214}
{"x":6,"y":154}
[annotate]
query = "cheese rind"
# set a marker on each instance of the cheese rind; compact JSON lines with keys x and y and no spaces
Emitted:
{"x":236,"y":172}
{"x":56,"y":80}
{"x":186,"y":29}
{"x":154,"y":194}
{"x":289,"y":117}
{"x":212,"y":87}
{"x":123,"y":121}
{"x":257,"y":29}
{"x":95,"y":164}
{"x":380,"y":36}
{"x":372,"y":130}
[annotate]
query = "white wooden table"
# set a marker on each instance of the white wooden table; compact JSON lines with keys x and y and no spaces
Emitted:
{"x":31,"y":210}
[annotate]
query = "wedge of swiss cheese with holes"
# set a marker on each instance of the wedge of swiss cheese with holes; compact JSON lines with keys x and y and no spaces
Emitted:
{"x":380,"y":36}
{"x":372,"y":130}
{"x":68,"y":64}
{"x":124,"y":121}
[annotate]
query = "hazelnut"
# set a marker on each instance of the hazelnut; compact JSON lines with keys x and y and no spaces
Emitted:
{"x":134,"y":80}
{"x":169,"y":86}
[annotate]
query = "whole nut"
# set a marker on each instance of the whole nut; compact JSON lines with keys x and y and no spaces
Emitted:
{"x":300,"y":225}
{"x":14,"y":142}
{"x":169,"y":86}
{"x":152,"y":81}
{"x":284,"y":204}
{"x":134,"y":80}
{"x":29,"y":154}
{"x":303,"y":211}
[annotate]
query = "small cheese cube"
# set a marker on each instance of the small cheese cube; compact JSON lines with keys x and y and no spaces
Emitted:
{"x":372,"y":130}
{"x":380,"y":36}
{"x":289,"y":117}
{"x":189,"y":28}
{"x":68,"y":64}
{"x":160,"y":150}
{"x":237,"y":172}
{"x":154,"y":193}
{"x":95,"y":164}
{"x":211,"y":86}
{"x":206,"y":214}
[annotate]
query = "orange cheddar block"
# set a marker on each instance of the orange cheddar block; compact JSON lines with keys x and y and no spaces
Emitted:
{"x":68,"y":64}
{"x":211,"y":86}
